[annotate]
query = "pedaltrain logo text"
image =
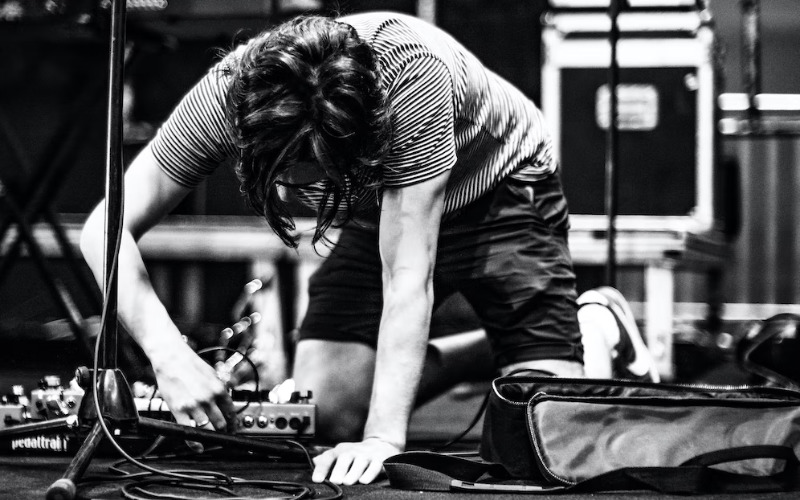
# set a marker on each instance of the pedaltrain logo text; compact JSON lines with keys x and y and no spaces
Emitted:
{"x":43,"y":443}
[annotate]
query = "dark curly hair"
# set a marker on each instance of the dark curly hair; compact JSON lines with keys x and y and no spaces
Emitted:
{"x":308,"y":91}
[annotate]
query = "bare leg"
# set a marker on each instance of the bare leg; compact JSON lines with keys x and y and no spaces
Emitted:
{"x":339,"y":374}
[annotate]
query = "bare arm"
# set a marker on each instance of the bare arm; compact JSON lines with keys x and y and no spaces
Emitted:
{"x":409,"y":230}
{"x":188,"y":384}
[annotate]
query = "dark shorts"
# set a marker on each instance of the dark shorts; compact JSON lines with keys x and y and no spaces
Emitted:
{"x":506,"y":254}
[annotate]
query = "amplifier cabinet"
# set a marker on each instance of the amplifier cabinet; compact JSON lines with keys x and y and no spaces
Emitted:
{"x":666,"y":102}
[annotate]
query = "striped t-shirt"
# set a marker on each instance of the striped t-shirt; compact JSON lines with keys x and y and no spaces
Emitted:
{"x":448,"y":112}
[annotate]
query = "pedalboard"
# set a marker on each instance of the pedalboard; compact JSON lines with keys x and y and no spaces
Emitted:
{"x":51,"y":400}
{"x":255,"y":418}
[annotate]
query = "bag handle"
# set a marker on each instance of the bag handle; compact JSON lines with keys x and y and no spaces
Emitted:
{"x":697,"y":476}
{"x":740,"y":453}
{"x":429,"y":471}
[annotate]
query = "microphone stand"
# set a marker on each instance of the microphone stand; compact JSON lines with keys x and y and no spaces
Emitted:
{"x":109,"y":400}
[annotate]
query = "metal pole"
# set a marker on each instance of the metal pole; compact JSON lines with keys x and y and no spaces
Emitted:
{"x":751,"y":56}
{"x":612,"y":147}
{"x":114,"y":179}
{"x":426,"y":9}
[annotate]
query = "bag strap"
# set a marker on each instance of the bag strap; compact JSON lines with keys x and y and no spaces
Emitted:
{"x":426,"y":470}
{"x":420,"y":470}
{"x":697,"y":476}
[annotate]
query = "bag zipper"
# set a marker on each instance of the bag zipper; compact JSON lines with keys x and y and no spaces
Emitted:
{"x":752,"y":389}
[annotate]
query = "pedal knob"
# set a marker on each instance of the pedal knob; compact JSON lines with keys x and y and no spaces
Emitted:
{"x":262,"y":421}
{"x":248,"y":421}
{"x":50,"y":382}
{"x":17,"y":396}
{"x":281,"y":422}
{"x":300,"y":397}
{"x":295,"y":423}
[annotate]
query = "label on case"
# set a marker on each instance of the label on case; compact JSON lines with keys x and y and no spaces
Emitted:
{"x":637,"y":107}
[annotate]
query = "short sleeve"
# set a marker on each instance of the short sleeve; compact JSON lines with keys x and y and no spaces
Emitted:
{"x":194,"y":139}
{"x":423,"y":142}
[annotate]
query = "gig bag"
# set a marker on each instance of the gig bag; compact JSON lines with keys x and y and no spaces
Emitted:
{"x":551,"y":434}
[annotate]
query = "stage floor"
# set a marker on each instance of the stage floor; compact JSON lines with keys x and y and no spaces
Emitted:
{"x":29,"y":477}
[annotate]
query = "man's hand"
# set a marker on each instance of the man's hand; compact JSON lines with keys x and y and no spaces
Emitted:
{"x":192,"y":390}
{"x":348,"y":463}
{"x":264,"y":349}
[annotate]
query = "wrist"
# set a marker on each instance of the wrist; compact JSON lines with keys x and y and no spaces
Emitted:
{"x":387,"y":422}
{"x":393,"y":433}
{"x":165,"y":348}
{"x":400,"y":444}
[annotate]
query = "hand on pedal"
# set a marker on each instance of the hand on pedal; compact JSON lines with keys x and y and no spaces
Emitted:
{"x":192,"y":390}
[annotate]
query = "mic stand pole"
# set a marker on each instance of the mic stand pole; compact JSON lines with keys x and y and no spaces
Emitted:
{"x":114,"y":398}
{"x":112,"y":382}
{"x":612,"y":147}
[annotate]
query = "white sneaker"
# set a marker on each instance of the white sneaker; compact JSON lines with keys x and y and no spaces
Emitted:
{"x":630,"y":357}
